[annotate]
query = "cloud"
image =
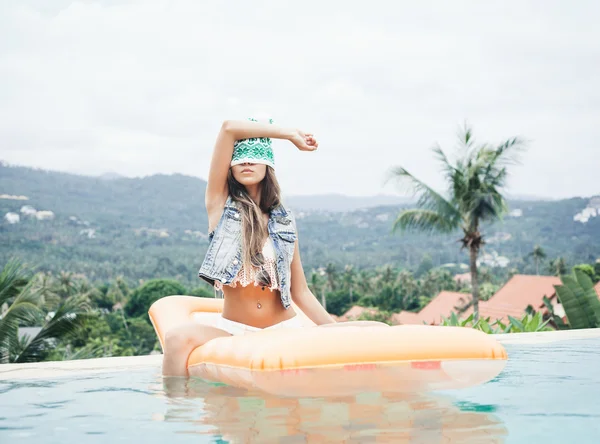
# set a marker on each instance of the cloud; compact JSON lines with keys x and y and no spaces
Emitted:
{"x":140,"y":87}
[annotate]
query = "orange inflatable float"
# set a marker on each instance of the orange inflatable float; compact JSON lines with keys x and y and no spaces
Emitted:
{"x":334,"y":361}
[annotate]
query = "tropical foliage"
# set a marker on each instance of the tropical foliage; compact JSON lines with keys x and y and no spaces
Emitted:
{"x":527,"y":324}
{"x":386,"y":288}
{"x":142,"y":298}
{"x":579,"y":300}
{"x":473,"y":196}
{"x":23,"y":304}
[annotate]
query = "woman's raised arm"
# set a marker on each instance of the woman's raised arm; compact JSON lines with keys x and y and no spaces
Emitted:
{"x":232,"y":130}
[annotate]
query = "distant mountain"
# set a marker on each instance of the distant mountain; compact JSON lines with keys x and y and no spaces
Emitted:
{"x":528,"y":197}
{"x":156,"y":226}
{"x":111,"y":176}
{"x":340,"y":202}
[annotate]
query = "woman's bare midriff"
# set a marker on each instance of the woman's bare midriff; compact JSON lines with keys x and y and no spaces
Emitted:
{"x":241,"y":305}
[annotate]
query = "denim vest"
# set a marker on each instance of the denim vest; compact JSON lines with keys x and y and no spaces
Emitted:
{"x":223,"y":258}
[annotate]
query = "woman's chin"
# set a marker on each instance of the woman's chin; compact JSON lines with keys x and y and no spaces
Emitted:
{"x":248,"y":181}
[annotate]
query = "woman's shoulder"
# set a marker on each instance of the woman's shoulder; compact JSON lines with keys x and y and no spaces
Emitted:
{"x":284,"y":212}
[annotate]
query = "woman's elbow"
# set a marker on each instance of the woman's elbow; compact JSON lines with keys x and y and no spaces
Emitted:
{"x":227,"y":126}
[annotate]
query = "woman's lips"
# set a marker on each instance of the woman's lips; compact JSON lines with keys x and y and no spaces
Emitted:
{"x":247,"y":170}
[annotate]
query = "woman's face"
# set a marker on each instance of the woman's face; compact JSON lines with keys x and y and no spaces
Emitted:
{"x":249,"y":173}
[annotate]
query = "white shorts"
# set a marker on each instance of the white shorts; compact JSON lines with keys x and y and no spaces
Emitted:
{"x":237,"y":328}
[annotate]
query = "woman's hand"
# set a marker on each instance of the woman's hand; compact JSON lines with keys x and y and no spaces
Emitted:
{"x":304,"y":141}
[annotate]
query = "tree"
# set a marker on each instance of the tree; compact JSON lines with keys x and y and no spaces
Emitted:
{"x":143,"y":297}
{"x":70,"y":316}
{"x":387,"y":275}
{"x":349,"y":279}
{"x":316,"y":286}
{"x":331,"y":272}
{"x":558,"y":266}
{"x":538,"y":255}
{"x":364,"y":282}
{"x":203,"y":292}
{"x":24,"y":299}
{"x":474,"y":183}
{"x":18,"y":306}
{"x":425,"y":265}
{"x":338,"y":302}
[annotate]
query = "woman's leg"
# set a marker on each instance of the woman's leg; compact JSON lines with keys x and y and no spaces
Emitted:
{"x":181,"y":341}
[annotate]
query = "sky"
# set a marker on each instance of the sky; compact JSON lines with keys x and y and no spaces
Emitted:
{"x":142,"y":87}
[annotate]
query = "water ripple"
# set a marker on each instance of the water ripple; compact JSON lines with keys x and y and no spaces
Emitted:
{"x":16,"y":428}
{"x":52,"y":405}
{"x":9,"y":386}
{"x":117,"y":389}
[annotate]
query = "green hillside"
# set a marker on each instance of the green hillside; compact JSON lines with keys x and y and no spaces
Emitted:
{"x":156,"y":227}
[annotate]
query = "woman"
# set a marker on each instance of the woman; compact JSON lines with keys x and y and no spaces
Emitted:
{"x":253,"y":255}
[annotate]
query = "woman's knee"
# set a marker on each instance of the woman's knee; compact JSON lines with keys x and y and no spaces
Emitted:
{"x":188,"y":337}
{"x":179,"y":339}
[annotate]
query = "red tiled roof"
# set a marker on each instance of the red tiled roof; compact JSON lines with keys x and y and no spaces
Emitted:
{"x":356,"y":311}
{"x":406,"y":317}
{"x":516,"y":295}
{"x":511,"y":300}
{"x":443,"y":304}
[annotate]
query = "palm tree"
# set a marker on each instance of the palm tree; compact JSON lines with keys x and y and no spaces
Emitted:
{"x":364,"y":283}
{"x":65,"y":285}
{"x":349,"y":279}
{"x":18,"y":305}
{"x":24,"y":300}
{"x":70,"y":316}
{"x":331,"y":272}
{"x":474,"y":184}
{"x":389,"y":274}
{"x":558,"y":266}
{"x":538,"y":254}
{"x":317,"y":286}
{"x":46,"y":286}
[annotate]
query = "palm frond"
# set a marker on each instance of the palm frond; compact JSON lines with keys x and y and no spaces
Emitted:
{"x":439,"y":153}
{"x":465,"y":138}
{"x":90,"y":351}
{"x":424,"y":220}
{"x":24,"y":310}
{"x":448,"y":169}
{"x":12,"y":279}
{"x":428,"y":198}
{"x":68,"y":318}
{"x":487,"y":206}
{"x":507,"y":153}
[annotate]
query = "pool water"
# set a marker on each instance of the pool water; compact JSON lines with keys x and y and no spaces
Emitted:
{"x":547,"y":393}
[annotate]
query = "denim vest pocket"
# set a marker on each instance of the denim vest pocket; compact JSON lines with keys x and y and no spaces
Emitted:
{"x":232,"y":220}
{"x":283,"y":228}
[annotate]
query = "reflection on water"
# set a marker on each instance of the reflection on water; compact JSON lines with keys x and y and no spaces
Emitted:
{"x":238,"y":416}
{"x":547,"y":393}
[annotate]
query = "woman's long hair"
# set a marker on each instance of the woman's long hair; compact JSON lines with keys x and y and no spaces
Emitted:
{"x":254,"y":231}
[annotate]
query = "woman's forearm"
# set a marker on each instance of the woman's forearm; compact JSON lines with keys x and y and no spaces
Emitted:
{"x":311,"y":307}
{"x":246,"y":129}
